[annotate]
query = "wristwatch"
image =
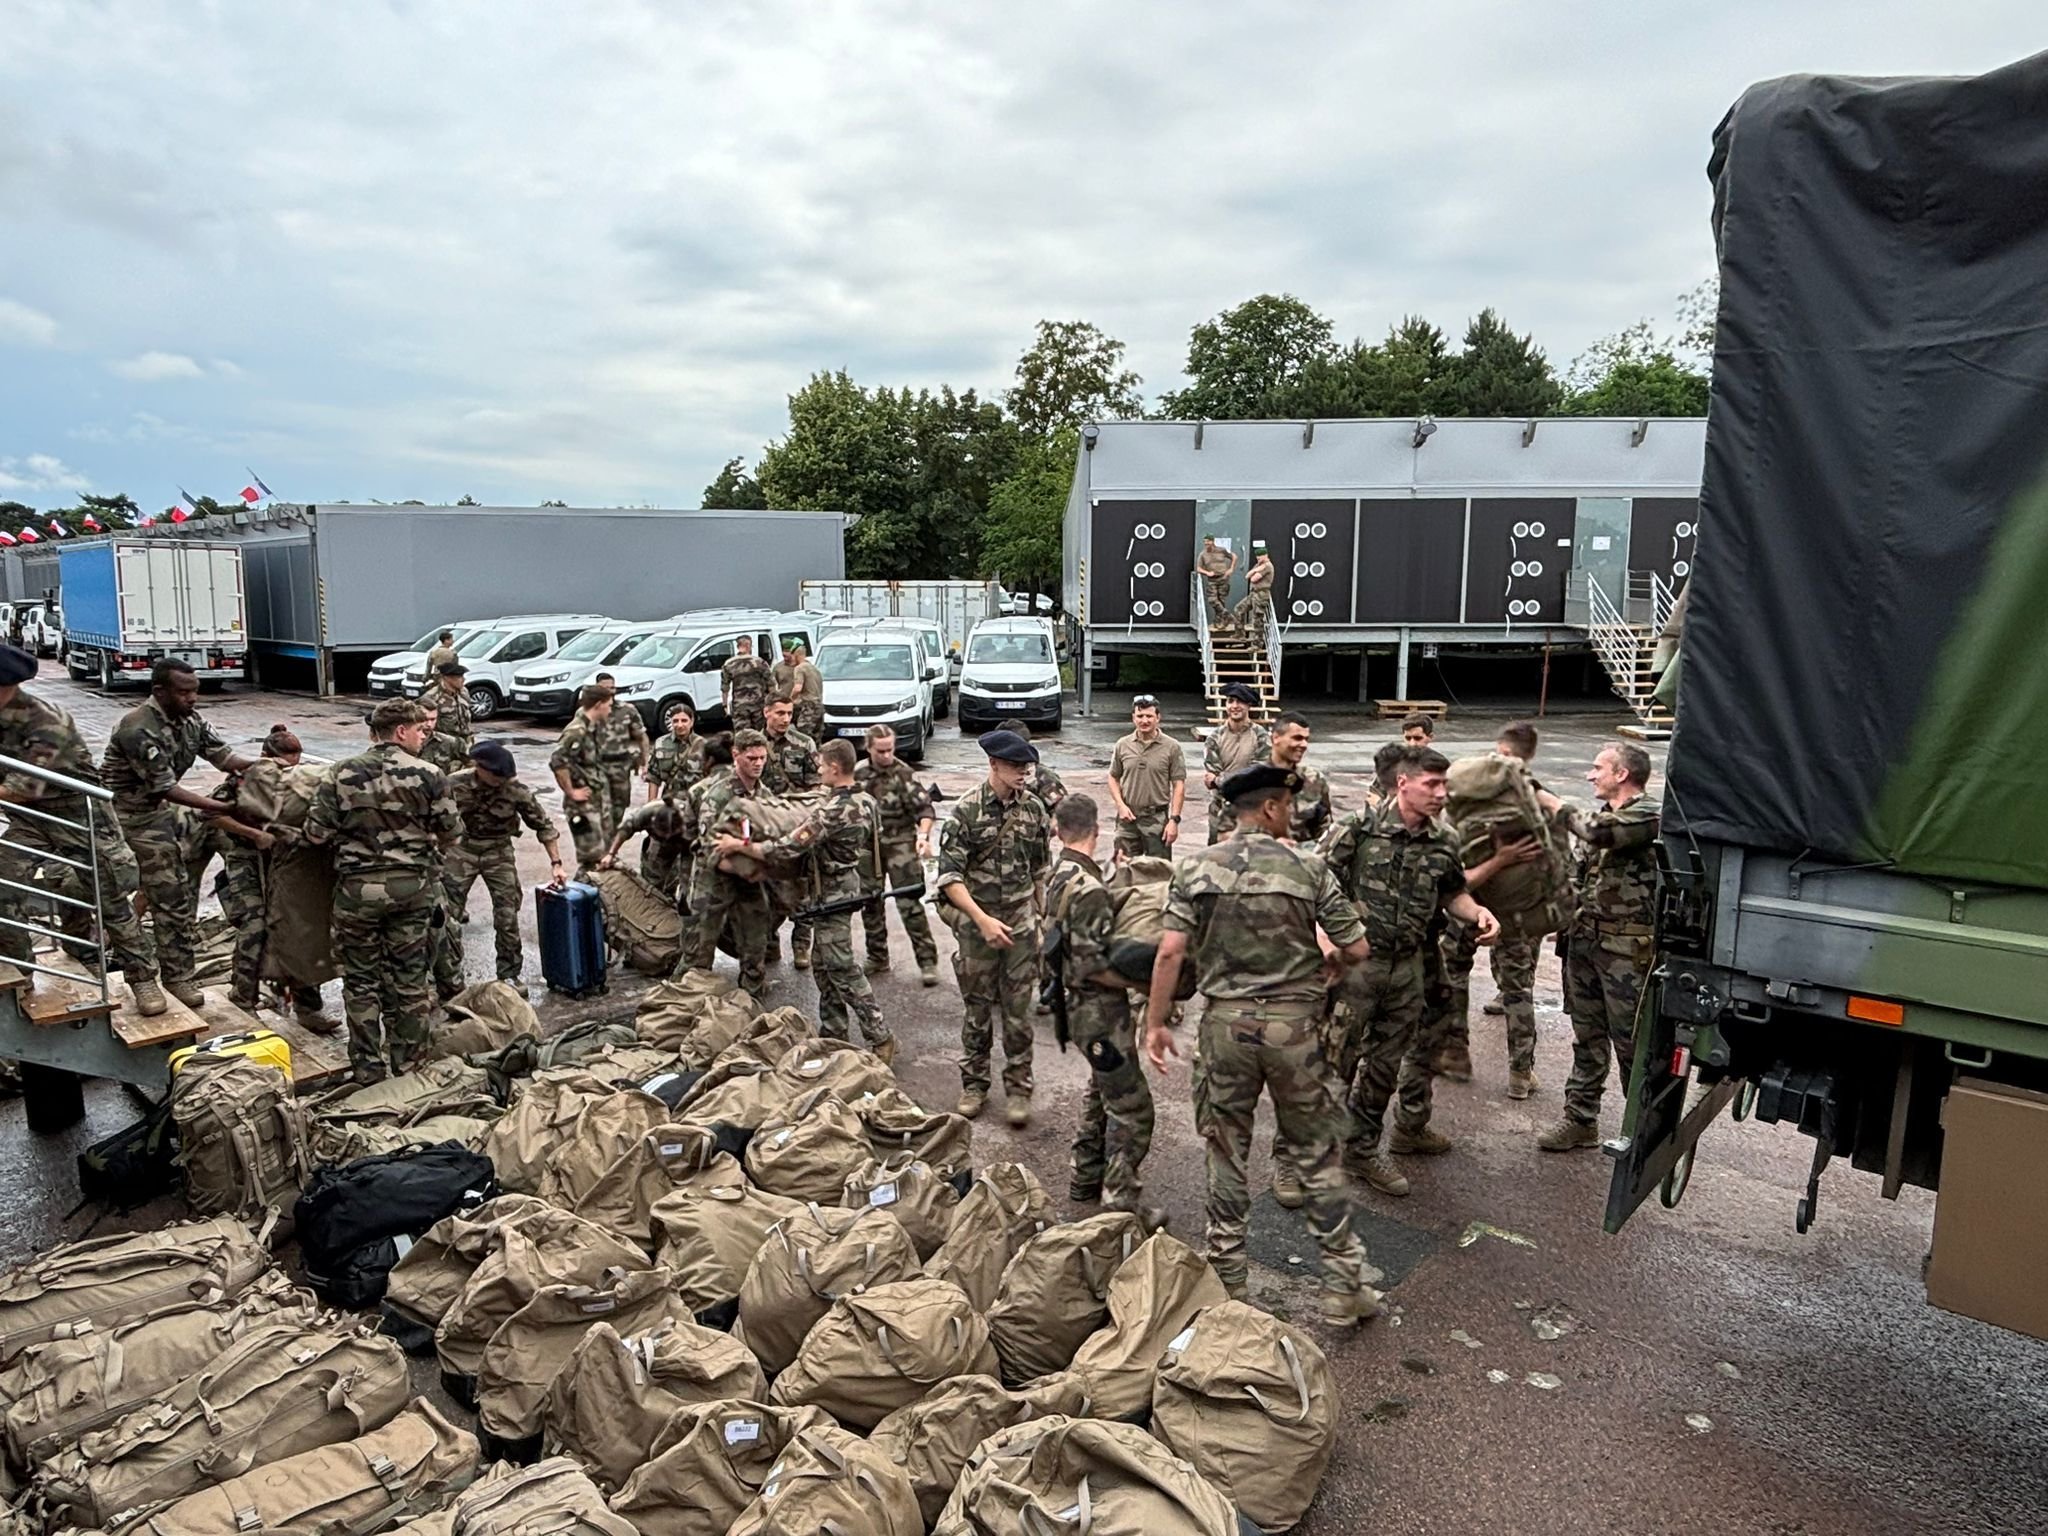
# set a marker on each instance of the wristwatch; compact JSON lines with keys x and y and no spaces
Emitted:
{"x":1173,"y":820}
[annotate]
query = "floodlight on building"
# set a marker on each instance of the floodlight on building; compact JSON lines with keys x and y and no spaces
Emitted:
{"x":1635,"y":438}
{"x":1529,"y":432}
{"x":1089,"y":436}
{"x":1308,"y":434}
{"x":1425,"y":427}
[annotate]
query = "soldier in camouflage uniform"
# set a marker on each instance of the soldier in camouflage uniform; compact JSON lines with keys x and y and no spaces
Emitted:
{"x":745,"y":683}
{"x":991,"y":853}
{"x":792,"y":767}
{"x":445,"y":752}
{"x":33,"y":730}
{"x":1614,"y":938}
{"x":1246,"y":912}
{"x":1400,"y":866}
{"x":578,"y":767}
{"x":1313,"y":806}
{"x":493,"y":804}
{"x":243,"y":882}
{"x":1116,"y":1117}
{"x":665,"y":855}
{"x":449,"y":696}
{"x":678,"y":759}
{"x":389,"y":818}
{"x":839,"y":835}
{"x":797,"y":679}
{"x":1238,"y":744}
{"x":1216,"y":565}
{"x":625,"y":752}
{"x":905,"y":808}
{"x":152,"y":747}
{"x":717,"y":898}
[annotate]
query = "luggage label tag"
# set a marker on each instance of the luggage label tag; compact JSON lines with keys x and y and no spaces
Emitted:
{"x":602,"y":1305}
{"x":883,"y":1194}
{"x":742,"y":1431}
{"x":1181,"y":1340}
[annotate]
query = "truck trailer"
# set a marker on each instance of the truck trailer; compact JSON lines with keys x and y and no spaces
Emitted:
{"x":129,"y":603}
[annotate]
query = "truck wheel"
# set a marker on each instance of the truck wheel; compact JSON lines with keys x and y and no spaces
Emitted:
{"x":483,"y":701}
{"x":211,"y":685}
{"x":1672,"y":1190}
{"x":106,"y":672}
{"x":54,"y":1098}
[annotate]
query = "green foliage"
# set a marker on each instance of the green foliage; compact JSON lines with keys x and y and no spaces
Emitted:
{"x":468,"y":501}
{"x":12,"y":510}
{"x":1657,"y":385}
{"x":1245,"y":357}
{"x":1070,"y":374}
{"x":554,"y":504}
{"x":735,"y":488}
{"x":1021,"y":540}
{"x":1498,"y":374}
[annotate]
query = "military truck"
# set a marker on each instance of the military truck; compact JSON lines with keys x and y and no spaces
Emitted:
{"x":1854,"y":931}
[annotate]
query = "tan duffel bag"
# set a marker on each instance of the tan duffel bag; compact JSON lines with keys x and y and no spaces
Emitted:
{"x":1250,"y":1401}
{"x":736,"y":1091}
{"x":613,"y":1394}
{"x":431,"y":1274}
{"x":334,"y":1144}
{"x":1055,"y":1293}
{"x":1073,"y":1475}
{"x":605,"y":1130}
{"x":808,"y":1151}
{"x":413,"y":1463}
{"x":839,"y":1065}
{"x":111,"y":1280}
{"x":484,"y":1016}
{"x":280,"y":1390}
{"x":769,"y":1037}
{"x":899,"y":1126}
{"x":551,"y":1498}
{"x":933,"y":1438}
{"x":1153,"y":1295}
{"x":884,"y":1347}
{"x":808,"y":1262}
{"x":541,"y":1115}
{"x":915,"y":1193}
{"x":687,"y":1013}
{"x":623,"y":1197}
{"x":1004,"y":1208}
{"x":444,"y":1085}
{"x":708,"y":1464}
{"x":707,"y":1237}
{"x":826,"y":1480}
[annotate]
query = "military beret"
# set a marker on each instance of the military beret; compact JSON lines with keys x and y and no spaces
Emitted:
{"x":16,"y":665}
{"x":1242,"y":692}
{"x":1259,"y":546}
{"x":748,"y":737}
{"x":393,"y":713}
{"x":1258,"y":779}
{"x":452,"y":669}
{"x":494,"y":755}
{"x":1009,"y":747}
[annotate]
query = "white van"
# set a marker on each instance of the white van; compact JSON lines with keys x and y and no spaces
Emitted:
{"x":494,"y":649}
{"x":387,"y":672}
{"x":681,"y":663}
{"x":1011,"y":672}
{"x":879,"y":675}
{"x":938,"y":663}
{"x":548,"y":687}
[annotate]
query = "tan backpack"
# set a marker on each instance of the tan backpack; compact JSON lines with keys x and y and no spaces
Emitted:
{"x":808,"y":1151}
{"x":1493,"y":801}
{"x":540,"y":1117}
{"x":1250,"y":1402}
{"x":696,"y":1014}
{"x":608,"y":1128}
{"x":899,"y":1126}
{"x":431,"y":1274}
{"x":550,"y":1498}
{"x":809,"y":1261}
{"x":623,"y":1197}
{"x":933,"y":1438}
{"x":827,"y":1480}
{"x":1004,"y":1208}
{"x":881,"y":1348}
{"x":708,"y":1464}
{"x":1082,"y":1475}
{"x":336,"y":1143}
{"x":614,"y":1393}
{"x":241,"y":1137}
{"x":1054,"y":1294}
{"x":484,"y":1016}
{"x":1153,"y":1295}
{"x":707,"y":1237}
{"x":412,"y":1463}
{"x":641,"y":925}
{"x":911,"y":1191}
{"x":839,"y":1065}
{"x":109,"y":1280}
{"x":279,"y":1390}
{"x":444,"y":1086}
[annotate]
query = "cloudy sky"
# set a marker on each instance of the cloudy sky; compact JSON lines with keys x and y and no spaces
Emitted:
{"x":526,"y":250}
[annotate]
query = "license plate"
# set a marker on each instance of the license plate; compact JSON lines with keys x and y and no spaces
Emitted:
{"x":522,"y":698}
{"x":1009,"y":703}
{"x":853,"y":730}
{"x":191,"y":658}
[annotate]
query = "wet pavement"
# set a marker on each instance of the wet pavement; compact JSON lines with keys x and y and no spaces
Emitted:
{"x":1707,"y":1368}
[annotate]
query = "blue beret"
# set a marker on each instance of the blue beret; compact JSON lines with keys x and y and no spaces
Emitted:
{"x":16,"y":665}
{"x":1008,"y":746}
{"x":495,"y":756}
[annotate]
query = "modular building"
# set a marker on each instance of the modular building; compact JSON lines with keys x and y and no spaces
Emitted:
{"x":332,"y":586}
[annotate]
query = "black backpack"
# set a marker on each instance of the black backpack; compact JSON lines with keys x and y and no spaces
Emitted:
{"x":355,"y":1220}
{"x":133,"y":1166}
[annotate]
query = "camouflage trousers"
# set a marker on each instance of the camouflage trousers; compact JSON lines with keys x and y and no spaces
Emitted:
{"x":1377,"y":1026}
{"x":666,"y":867}
{"x":1241,"y":1049}
{"x":809,"y":718}
{"x":716,"y":900}
{"x":168,"y":844}
{"x":996,"y":985}
{"x":1144,"y":836}
{"x":493,"y":862}
{"x":1513,"y":962}
{"x":749,"y":714}
{"x":619,"y":778}
{"x":843,"y":988}
{"x":383,"y":935}
{"x":1116,"y":1117}
{"x":901,"y":866}
{"x":1603,"y":983}
{"x":1222,"y":819}
{"x":130,"y":948}
{"x":590,"y":824}
{"x":1216,"y":591}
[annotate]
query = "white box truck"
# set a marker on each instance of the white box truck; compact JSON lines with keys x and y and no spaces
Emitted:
{"x":955,"y":606}
{"x":128,"y":603}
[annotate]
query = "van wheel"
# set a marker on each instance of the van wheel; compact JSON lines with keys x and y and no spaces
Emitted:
{"x":483,"y":701}
{"x":913,"y":749}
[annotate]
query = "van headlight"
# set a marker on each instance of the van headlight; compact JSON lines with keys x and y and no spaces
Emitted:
{"x":905,"y":706}
{"x":631,"y":689}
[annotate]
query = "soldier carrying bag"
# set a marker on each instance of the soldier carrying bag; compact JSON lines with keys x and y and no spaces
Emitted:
{"x":1493,"y":803}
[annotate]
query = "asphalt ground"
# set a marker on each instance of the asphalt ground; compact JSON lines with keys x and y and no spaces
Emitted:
{"x":1707,"y":1368}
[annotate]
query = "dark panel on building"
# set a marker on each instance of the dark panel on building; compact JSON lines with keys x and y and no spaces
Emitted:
{"x":1520,"y":549}
{"x":1139,"y":562}
{"x":277,"y":579}
{"x":1311,"y":545}
{"x":1662,"y":534}
{"x":1410,"y":554}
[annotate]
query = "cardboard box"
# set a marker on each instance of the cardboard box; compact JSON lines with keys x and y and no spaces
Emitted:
{"x":1990,"y":1256}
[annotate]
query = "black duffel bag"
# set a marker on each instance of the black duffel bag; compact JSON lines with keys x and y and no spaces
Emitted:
{"x":355,"y":1219}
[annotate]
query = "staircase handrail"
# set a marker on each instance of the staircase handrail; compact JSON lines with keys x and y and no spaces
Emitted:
{"x":1198,"y":606}
{"x":26,"y":856}
{"x":1661,"y":600}
{"x":1273,"y":646}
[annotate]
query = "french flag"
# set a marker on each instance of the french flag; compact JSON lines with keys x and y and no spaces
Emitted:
{"x":8,"y":541}
{"x":30,"y":536}
{"x":92,"y":524}
{"x":180,"y":515}
{"x":185,"y":496}
{"x":256,"y":480}
{"x":59,"y":529}
{"x":251,"y":495}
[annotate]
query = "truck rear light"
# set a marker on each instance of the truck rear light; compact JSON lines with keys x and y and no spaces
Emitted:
{"x":1875,"y":1010}
{"x":1681,"y":1058}
{"x":135,"y":663}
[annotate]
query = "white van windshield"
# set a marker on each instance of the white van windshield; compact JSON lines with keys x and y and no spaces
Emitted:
{"x":588,"y":646}
{"x":479,"y":642}
{"x":866,"y":663}
{"x":1008,"y":650}
{"x":664,"y":651}
{"x":432,"y":638}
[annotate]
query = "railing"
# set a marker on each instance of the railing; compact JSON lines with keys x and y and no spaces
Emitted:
{"x":23,"y":857}
{"x":1198,"y":609}
{"x":1273,"y":646}
{"x":1615,"y":640}
{"x":1662,"y":600}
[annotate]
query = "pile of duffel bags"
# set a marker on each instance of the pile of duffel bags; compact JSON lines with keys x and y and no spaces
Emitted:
{"x":705,"y":1275}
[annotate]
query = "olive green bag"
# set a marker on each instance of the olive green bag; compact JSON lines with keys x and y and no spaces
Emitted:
{"x":1055,"y":1293}
{"x":1004,"y":1208}
{"x":828,"y":1481}
{"x":808,"y":1262}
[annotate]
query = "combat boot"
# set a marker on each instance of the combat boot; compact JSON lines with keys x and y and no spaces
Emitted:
{"x":972,"y":1102}
{"x":1521,"y":1084}
{"x":878,"y":965}
{"x":1569,"y":1135}
{"x":1453,"y":1064}
{"x":800,"y":953}
{"x":149,"y":997}
{"x":1379,"y":1171}
{"x":1347,"y":1309}
{"x":187,"y":992}
{"x":1084,"y":1191}
{"x":1287,"y":1186}
{"x":1151,"y":1218}
{"x":1496,"y":1009}
{"x":928,"y":975}
{"x":1017,"y":1111}
{"x":314,"y":1022}
{"x":886,"y":1051}
{"x":244,"y":999}
{"x":1424,"y":1141}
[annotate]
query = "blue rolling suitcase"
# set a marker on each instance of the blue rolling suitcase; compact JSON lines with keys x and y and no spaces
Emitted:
{"x":571,"y":923}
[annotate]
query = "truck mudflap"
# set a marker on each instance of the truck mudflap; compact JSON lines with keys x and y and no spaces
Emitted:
{"x":1667,"y":1112}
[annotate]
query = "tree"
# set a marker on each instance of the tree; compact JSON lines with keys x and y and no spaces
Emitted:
{"x":1498,"y":374}
{"x":468,"y":501}
{"x":1022,"y":536}
{"x":1071,"y":374}
{"x":12,"y":512}
{"x":734,"y":487}
{"x":1697,"y":309}
{"x":1239,"y":362}
{"x":554,"y":504}
{"x":1632,"y":373}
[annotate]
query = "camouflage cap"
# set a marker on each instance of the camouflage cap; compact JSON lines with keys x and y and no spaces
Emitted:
{"x":747,"y":737}
{"x":393,"y":713}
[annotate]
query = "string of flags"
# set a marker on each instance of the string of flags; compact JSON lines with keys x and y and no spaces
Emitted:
{"x":184,"y":509}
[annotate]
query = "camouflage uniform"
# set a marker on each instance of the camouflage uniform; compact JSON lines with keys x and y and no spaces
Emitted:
{"x":804,"y":687}
{"x":1313,"y":807}
{"x":840,"y":836}
{"x":676,"y":764}
{"x":437,"y":658}
{"x":146,"y":756}
{"x":35,"y":731}
{"x":1513,"y":962}
{"x":388,"y":816}
{"x":1151,"y":769}
{"x":717,"y":898}
{"x":622,"y":748}
{"x":1613,"y":942}
{"x":244,"y":880}
{"x":664,"y":863}
{"x":792,"y":762}
{"x":491,"y":818}
{"x":997,"y":851}
{"x":1251,"y":906}
{"x":580,"y":753}
{"x":1116,"y":1117}
{"x":1400,"y":877}
{"x":747,"y":680}
{"x":902,"y":803}
{"x":1050,"y":788}
{"x":1228,"y":751}
{"x":445,"y":752}
{"x":1215,"y":566}
{"x":457,"y":720}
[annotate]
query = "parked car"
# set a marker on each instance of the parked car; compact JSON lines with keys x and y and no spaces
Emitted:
{"x":388,"y":672}
{"x":42,"y":630}
{"x":940,"y":659}
{"x":548,"y":687}
{"x":681,"y":663}
{"x":878,"y":676}
{"x":1011,"y":672}
{"x":493,"y":650}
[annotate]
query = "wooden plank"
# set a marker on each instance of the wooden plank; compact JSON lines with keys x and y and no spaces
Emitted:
{"x":12,"y":978}
{"x":1388,"y":709}
{"x":174,"y":1026}
{"x":54,"y":1000}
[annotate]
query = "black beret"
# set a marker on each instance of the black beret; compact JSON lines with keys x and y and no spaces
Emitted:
{"x":1008,"y":746}
{"x":452,"y":669}
{"x":16,"y":665}
{"x":1244,"y":693}
{"x":495,"y":756}
{"x":1258,"y":779}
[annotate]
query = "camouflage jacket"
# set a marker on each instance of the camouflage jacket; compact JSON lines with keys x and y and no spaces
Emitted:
{"x":36,"y":731}
{"x":711,"y":803}
{"x":384,"y":811}
{"x":746,"y":681}
{"x":997,"y":851}
{"x":1617,"y":868}
{"x":1086,"y":912}
{"x":1251,"y":906}
{"x":456,"y":718}
{"x":491,"y":813}
{"x":149,"y":752}
{"x":444,"y":752}
{"x":1050,"y":788}
{"x":839,"y":833}
{"x":580,"y":751}
{"x":1313,"y":808}
{"x":792,"y":762}
{"x":900,"y":800}
{"x":1230,"y":750}
{"x":676,"y":765}
{"x":1400,"y":876}
{"x":638,"y":820}
{"x":623,"y":736}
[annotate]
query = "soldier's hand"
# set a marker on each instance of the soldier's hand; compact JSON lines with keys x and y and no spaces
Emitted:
{"x":1488,"y":927}
{"x":1159,"y":1045}
{"x":1523,"y":850}
{"x":1169,"y":833}
{"x":1550,"y":803}
{"x":996,"y":935}
{"x":1208,"y":781}
{"x":576,"y":796}
{"x":606,"y":862}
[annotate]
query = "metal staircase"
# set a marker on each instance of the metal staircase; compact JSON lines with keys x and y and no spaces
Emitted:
{"x":1626,"y":642}
{"x":1230,"y":658}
